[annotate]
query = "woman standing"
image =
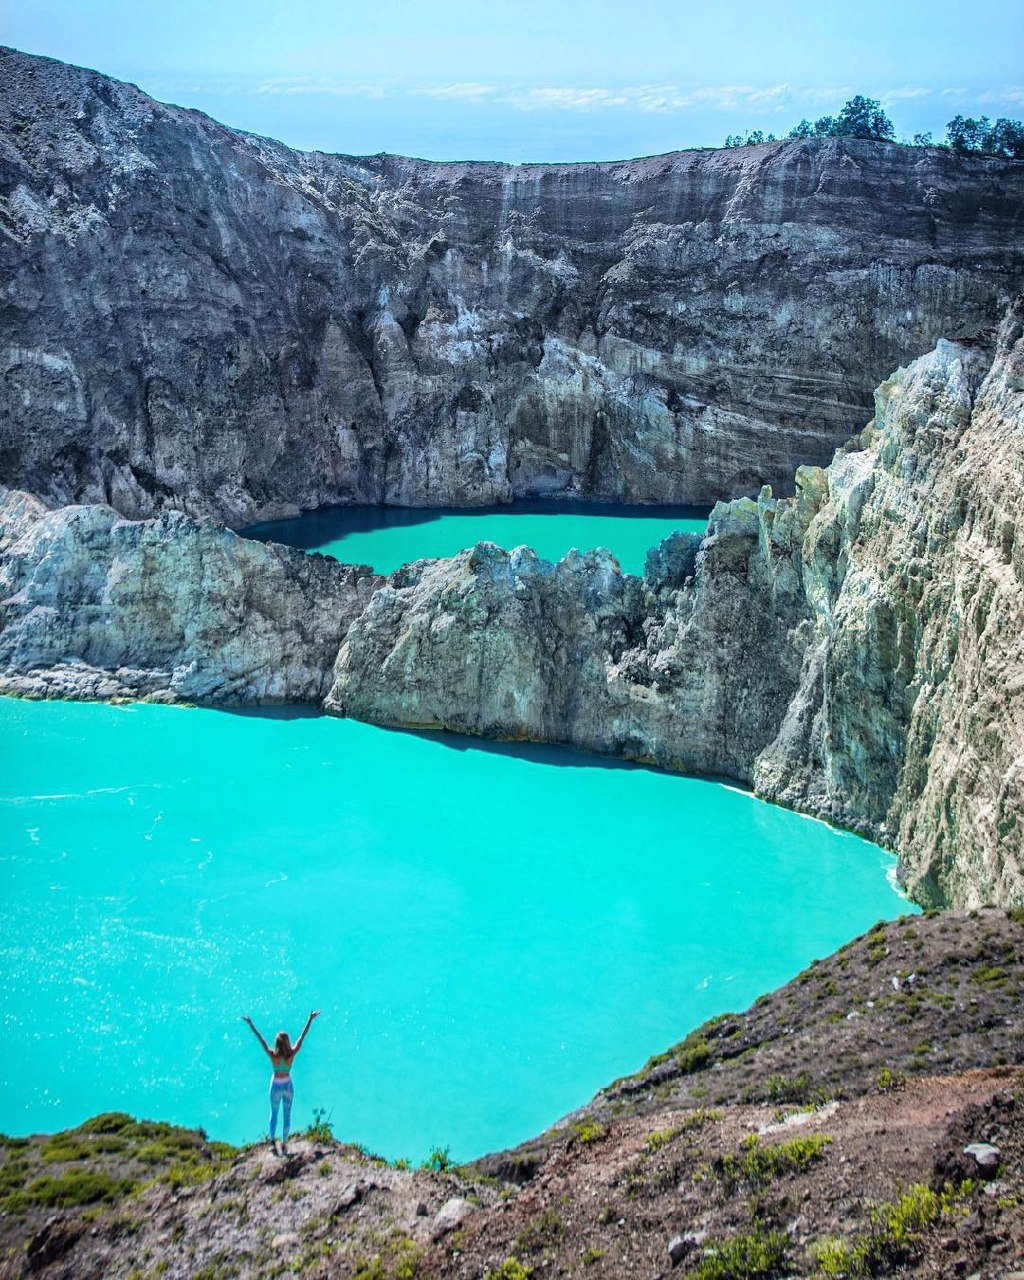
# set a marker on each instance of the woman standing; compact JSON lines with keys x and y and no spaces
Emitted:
{"x":281,"y":1091}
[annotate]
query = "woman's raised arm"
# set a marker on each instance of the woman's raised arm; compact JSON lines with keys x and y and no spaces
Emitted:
{"x":252,"y":1027}
{"x":309,"y":1023}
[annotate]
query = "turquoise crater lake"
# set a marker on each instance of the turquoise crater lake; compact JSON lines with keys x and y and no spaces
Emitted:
{"x":388,"y":537}
{"x":492,"y":933}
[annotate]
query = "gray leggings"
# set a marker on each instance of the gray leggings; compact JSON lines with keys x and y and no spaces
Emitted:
{"x":281,"y":1091}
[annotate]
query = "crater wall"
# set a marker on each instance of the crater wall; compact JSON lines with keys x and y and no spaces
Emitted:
{"x":195,"y":318}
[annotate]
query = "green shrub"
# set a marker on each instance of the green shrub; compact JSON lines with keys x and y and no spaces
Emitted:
{"x":321,"y":1130}
{"x":894,"y":1238}
{"x":693,"y":1053}
{"x":106,"y":1122}
{"x":588,"y":1131}
{"x":798,"y":1088}
{"x":510,"y":1269}
{"x":990,"y":977}
{"x":77,"y":1187}
{"x":887,"y":1080}
{"x":757,"y":1165}
{"x":62,"y":1148}
{"x":660,"y":1138}
{"x":758,"y":1255}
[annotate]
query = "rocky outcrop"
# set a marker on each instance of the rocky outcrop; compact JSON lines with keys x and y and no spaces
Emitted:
{"x":691,"y":670}
{"x":855,"y":650}
{"x":203,"y":320}
{"x":95,"y":606}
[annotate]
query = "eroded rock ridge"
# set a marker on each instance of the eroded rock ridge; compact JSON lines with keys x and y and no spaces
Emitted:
{"x":198,"y":319}
{"x":855,"y":650}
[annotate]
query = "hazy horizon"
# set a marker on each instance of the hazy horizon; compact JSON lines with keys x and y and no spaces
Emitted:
{"x":583,"y":82}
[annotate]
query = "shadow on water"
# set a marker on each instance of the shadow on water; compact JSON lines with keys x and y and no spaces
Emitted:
{"x":559,"y":755}
{"x":329,"y":524}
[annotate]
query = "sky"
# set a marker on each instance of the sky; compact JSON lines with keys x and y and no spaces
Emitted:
{"x":540,"y":79}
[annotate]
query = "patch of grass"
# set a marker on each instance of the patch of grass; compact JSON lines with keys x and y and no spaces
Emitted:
{"x":76,"y":1187}
{"x":695,"y":1120}
{"x":660,"y":1138}
{"x":191,"y":1173}
{"x":757,"y":1255}
{"x":888,"y":1081}
{"x":991,"y":977}
{"x":106,"y":1122}
{"x":588,"y":1131}
{"x":321,"y":1130}
{"x":780,"y":1088}
{"x":1016,"y":914}
{"x":223,"y":1267}
{"x":440,"y":1160}
{"x":63,"y":1149}
{"x":402,"y":1253}
{"x":693,"y":1053}
{"x":314,"y":1254}
{"x":510,"y":1269}
{"x":540,"y":1233}
{"x":13,"y":1175}
{"x":589,"y":1256}
{"x":895,"y":1234}
{"x":757,"y":1165}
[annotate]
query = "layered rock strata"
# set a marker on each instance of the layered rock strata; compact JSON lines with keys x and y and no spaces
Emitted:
{"x":855,"y":650}
{"x":199,"y":319}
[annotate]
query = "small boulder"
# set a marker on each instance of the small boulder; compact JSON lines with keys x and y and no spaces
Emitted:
{"x":286,"y":1240}
{"x":680,"y":1246}
{"x":985,"y":1156}
{"x":351,"y":1195}
{"x":452,"y":1214}
{"x":56,"y":1237}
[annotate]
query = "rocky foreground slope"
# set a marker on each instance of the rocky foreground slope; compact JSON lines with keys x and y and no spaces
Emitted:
{"x":821,"y":1133}
{"x":855,"y":651}
{"x":199,"y":319}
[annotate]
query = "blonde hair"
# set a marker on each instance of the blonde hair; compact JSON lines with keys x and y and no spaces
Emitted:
{"x":283,"y":1045}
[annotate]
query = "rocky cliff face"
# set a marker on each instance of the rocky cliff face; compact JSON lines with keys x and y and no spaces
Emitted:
{"x":203,"y":320}
{"x":95,"y":606}
{"x":855,"y":650}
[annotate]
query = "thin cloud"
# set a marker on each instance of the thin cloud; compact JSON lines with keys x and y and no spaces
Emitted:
{"x":1010,"y":96}
{"x":650,"y":99}
{"x":469,"y":90}
{"x":329,"y":88}
{"x":645,"y":99}
{"x":905,"y":95}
